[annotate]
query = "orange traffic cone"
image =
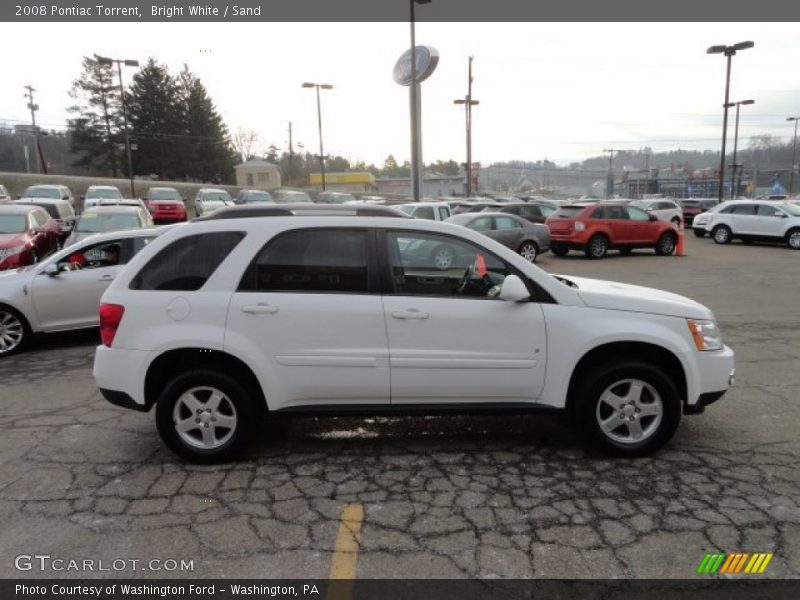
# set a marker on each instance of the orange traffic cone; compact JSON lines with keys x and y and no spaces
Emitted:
{"x":680,"y":250}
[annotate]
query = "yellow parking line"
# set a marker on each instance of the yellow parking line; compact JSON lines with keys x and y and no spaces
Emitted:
{"x":345,"y":553}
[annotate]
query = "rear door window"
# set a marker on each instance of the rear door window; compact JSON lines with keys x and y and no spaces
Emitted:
{"x":187,"y":263}
{"x":506,"y":223}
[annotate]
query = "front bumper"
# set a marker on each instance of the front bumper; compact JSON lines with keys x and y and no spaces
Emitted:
{"x":714,"y":377}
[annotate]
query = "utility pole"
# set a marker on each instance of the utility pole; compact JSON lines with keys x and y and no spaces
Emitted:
{"x":468,"y":103}
{"x":34,"y":107}
{"x":291,"y":157}
{"x":610,"y":176}
{"x":794,"y":155}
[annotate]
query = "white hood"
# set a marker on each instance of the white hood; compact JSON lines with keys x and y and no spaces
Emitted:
{"x":622,"y":296}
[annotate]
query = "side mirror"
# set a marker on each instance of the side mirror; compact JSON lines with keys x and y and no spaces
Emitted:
{"x":513,"y":290}
{"x":52,"y":270}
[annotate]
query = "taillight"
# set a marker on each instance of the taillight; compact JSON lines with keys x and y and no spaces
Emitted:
{"x":110,"y":317}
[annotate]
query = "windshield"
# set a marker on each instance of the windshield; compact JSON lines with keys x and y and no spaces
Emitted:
{"x":36,"y":191}
{"x":94,"y":222}
{"x":258,"y":197}
{"x":111,"y":193}
{"x":218,"y":196}
{"x":163,"y":195}
{"x":12,"y":223}
{"x":568,"y":212}
{"x":291,"y":197}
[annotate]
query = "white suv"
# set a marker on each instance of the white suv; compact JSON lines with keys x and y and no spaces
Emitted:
{"x":760,"y":220}
{"x":307,"y":309}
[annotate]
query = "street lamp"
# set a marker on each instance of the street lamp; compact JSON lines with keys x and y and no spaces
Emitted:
{"x":794,"y":148}
{"x":318,"y":86}
{"x":108,"y":62}
{"x":468,"y":103}
{"x":728,"y":51}
{"x":736,"y":142}
{"x":416,"y":167}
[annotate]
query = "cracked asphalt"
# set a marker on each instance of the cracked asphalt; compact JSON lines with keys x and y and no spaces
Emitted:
{"x":441,"y":496}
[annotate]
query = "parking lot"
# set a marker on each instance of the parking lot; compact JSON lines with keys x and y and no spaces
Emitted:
{"x":427,"y":497}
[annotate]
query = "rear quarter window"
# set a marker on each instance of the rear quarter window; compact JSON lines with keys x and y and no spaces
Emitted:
{"x":186,"y":263}
{"x":568,"y":212}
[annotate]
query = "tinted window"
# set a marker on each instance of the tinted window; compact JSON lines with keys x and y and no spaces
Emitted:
{"x":187,"y":263}
{"x":741,"y":209}
{"x":616,"y":212}
{"x":765,"y":210}
{"x":530,"y":211}
{"x":568,"y":212}
{"x":333,"y":261}
{"x":434,"y":265}
{"x":506,"y":223}
{"x":599,"y":213}
{"x":636,"y":214}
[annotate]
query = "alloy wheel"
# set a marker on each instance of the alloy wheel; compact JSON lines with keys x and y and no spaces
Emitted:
{"x":528,"y":251}
{"x":12,"y":331}
{"x":629,"y":411}
{"x":794,"y":240}
{"x":204,"y":418}
{"x":443,"y":258}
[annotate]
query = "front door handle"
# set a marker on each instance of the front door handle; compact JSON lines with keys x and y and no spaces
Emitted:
{"x":259,"y":309}
{"x":411,"y":313}
{"x":105,"y":278}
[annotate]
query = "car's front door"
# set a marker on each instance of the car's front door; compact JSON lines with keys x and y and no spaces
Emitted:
{"x":451,"y":340}
{"x":643,"y":229}
{"x":69,"y":299}
{"x":768,"y":221}
{"x":309,"y":307}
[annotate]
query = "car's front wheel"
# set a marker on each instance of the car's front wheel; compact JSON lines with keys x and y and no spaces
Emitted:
{"x":666,"y":244}
{"x":628,"y":408}
{"x":721,"y":234}
{"x":205,"y":416}
{"x":14,"y":331}
{"x":529,"y":251}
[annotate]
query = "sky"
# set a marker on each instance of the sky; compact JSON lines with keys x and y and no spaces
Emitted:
{"x":562,"y":91}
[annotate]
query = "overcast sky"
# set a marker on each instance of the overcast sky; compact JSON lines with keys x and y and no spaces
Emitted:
{"x":561,"y":91}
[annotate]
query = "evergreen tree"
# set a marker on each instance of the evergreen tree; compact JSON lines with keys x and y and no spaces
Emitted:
{"x":96,"y":128}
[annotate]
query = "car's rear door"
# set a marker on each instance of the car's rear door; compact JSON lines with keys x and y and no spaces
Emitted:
{"x":308,"y":311}
{"x":451,"y":340}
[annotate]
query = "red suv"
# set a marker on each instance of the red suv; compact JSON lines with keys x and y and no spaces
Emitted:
{"x":27,"y":234}
{"x":165,"y":204}
{"x":595,"y":228}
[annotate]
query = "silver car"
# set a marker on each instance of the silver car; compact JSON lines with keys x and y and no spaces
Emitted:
{"x":117,"y":217}
{"x":208,"y":200}
{"x":526,"y":238}
{"x":63,"y":291}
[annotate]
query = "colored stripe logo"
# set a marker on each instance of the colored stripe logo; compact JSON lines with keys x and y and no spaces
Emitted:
{"x":735,"y":563}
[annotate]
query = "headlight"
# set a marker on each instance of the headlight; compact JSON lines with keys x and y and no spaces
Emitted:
{"x":705,"y":333}
{"x":6,"y":252}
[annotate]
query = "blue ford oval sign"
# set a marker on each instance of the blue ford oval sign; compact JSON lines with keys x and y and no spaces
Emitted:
{"x":427,"y":59}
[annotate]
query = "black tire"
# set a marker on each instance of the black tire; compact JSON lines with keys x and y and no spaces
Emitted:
{"x":722,"y":234}
{"x":675,"y":221}
{"x":589,"y":408}
{"x":666,"y":244}
{"x":559,"y":250}
{"x":793,"y":238}
{"x":699,"y":233}
{"x":244,"y":410}
{"x":14,"y":331}
{"x":597,"y":246}
{"x":443,"y":257}
{"x":528,"y":250}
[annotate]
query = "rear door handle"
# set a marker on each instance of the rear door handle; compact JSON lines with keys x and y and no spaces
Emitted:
{"x":411,"y":313}
{"x":259,"y":309}
{"x":105,"y":278}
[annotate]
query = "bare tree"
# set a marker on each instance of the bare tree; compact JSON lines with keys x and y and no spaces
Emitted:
{"x":243,"y":141}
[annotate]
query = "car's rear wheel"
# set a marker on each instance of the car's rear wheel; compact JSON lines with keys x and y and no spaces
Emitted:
{"x":793,"y":239}
{"x":699,"y":233}
{"x":597,"y":246}
{"x":529,"y":251}
{"x":676,"y":221}
{"x":721,"y":234}
{"x":666,"y":244}
{"x":559,"y":250}
{"x":205,"y":416}
{"x":628,"y":408}
{"x":443,"y":257}
{"x":14,"y":331}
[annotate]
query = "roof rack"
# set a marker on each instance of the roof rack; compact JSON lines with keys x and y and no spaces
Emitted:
{"x":303,"y":209}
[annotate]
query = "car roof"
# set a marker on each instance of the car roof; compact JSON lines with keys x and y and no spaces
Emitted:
{"x":162,"y":188}
{"x":303,"y":209}
{"x":212,"y":190}
{"x":47,"y":185}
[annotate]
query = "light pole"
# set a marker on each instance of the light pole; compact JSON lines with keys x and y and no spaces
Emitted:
{"x":318,"y":86}
{"x":729,"y":52}
{"x":416,"y":167}
{"x":736,"y":143}
{"x":34,"y":107}
{"x":468,"y":103}
{"x":610,"y":176}
{"x":103,"y":60}
{"x":794,"y":149}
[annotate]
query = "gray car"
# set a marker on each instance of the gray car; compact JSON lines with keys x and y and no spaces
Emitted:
{"x":526,"y":238}
{"x":100,"y":219}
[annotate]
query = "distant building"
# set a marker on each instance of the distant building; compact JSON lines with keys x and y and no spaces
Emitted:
{"x":258,"y":174}
{"x":433,"y":186}
{"x":354,"y":181}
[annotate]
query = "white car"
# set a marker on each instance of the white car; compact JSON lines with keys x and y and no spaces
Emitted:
{"x":701,"y":222}
{"x":666,"y":210}
{"x":297,"y":311}
{"x":432,"y":211}
{"x":757,"y":221}
{"x":96,"y":193}
{"x":62,"y":292}
{"x":208,"y":200}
